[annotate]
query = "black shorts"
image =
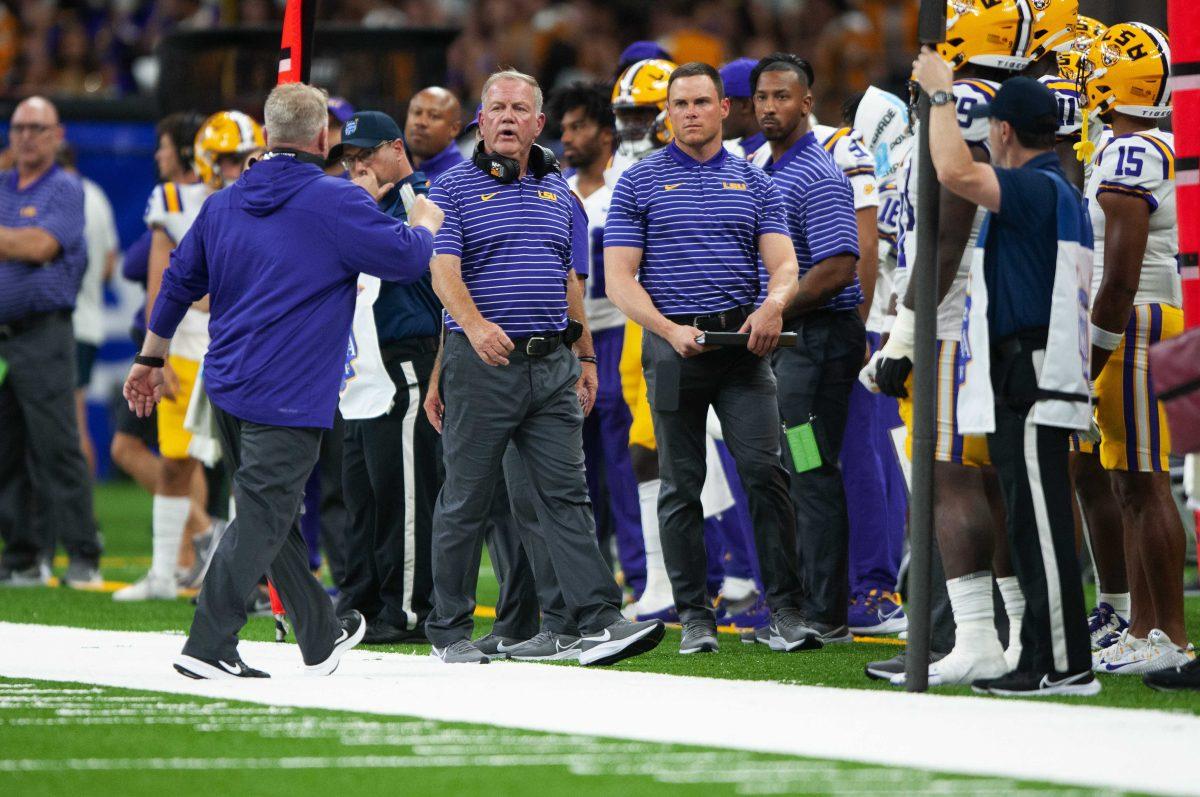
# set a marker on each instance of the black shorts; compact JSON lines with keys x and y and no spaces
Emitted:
{"x":85,"y":358}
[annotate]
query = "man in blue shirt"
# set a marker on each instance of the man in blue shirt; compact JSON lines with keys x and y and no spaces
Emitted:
{"x":677,"y":280}
{"x":816,"y":376}
{"x":1034,"y":217}
{"x":42,"y":260}
{"x":433,"y":122}
{"x":279,"y":253}
{"x":503,"y":267}
{"x":390,"y":463}
{"x":740,"y":129}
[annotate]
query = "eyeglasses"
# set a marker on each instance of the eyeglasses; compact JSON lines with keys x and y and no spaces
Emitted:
{"x":31,"y":129}
{"x":350,"y":161}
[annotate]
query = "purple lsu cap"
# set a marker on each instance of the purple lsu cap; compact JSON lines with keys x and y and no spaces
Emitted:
{"x":641,"y":50}
{"x":736,"y":77}
{"x":340,"y":109}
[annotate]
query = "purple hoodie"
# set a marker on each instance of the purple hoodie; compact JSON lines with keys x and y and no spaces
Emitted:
{"x":279,"y":253}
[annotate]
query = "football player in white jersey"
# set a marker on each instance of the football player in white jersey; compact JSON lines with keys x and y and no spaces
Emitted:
{"x":987,"y":42}
{"x":588,"y":137}
{"x":220,"y":149}
{"x":740,"y":127}
{"x":1137,"y":302}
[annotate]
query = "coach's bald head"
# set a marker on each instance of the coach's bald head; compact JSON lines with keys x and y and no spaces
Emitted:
{"x":434,"y":120}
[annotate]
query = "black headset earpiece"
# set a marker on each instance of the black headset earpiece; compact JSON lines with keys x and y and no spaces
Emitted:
{"x":505,"y":170}
{"x":541,"y":163}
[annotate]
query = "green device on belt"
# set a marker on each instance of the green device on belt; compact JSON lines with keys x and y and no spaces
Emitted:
{"x":802,"y":442}
{"x":3,"y":369}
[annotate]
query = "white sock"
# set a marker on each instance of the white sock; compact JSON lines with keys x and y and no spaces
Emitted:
{"x":1118,"y":600}
{"x":1014,"y":607}
{"x":658,"y":585}
{"x":170,"y":516}
{"x":974,"y":614}
{"x":738,"y":589}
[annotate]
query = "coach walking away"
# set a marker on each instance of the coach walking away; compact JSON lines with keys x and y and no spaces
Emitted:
{"x":815,"y":376}
{"x":279,"y":253}
{"x":42,"y":259}
{"x":503,"y":267}
{"x":1035,"y":336}
{"x":677,"y":280}
{"x":390,"y":463}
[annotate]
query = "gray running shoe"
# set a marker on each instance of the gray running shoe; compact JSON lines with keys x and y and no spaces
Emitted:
{"x":546,"y":646}
{"x":789,"y":631}
{"x":32,"y":576}
{"x":621,"y":640}
{"x":760,"y":636}
{"x":495,"y":646}
{"x":884,"y":670}
{"x":832,"y":634}
{"x":461,"y":652}
{"x":81,"y":575}
{"x":699,"y":636}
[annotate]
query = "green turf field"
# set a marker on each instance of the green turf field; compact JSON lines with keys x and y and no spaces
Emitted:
{"x":122,"y":741}
{"x":124,"y":513}
{"x":131,"y":743}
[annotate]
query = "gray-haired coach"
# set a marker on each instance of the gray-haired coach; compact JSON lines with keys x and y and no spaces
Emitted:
{"x":503,"y":268}
{"x":279,"y":253}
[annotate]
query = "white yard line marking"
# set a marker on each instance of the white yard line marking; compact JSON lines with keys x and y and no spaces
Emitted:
{"x":1028,"y":740}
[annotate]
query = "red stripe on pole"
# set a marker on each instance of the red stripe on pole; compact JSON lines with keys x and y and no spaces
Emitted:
{"x":295,"y":48}
{"x":1184,"y":28}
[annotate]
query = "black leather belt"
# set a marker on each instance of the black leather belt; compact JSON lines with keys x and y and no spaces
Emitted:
{"x":21,"y":325}
{"x":729,"y":320}
{"x":538,"y":345}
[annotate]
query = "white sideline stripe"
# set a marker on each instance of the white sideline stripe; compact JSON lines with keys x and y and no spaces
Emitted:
{"x":974,"y":736}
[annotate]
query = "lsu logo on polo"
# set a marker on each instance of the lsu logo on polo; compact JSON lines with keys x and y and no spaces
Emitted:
{"x":728,"y":186}
{"x":28,"y":212}
{"x":549,"y":196}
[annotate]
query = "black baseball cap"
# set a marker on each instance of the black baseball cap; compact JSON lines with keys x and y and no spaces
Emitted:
{"x":1024,"y":103}
{"x":366,"y":129}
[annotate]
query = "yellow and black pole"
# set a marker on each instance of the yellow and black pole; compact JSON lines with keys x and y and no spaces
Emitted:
{"x":931,"y":30}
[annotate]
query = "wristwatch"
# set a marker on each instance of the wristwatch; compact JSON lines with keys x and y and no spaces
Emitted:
{"x":941,"y":98}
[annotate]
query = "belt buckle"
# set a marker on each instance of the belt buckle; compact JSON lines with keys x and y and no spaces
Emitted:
{"x":532,"y":346}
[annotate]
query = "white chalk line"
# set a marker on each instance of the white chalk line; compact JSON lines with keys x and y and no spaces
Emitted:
{"x":1033,"y":741}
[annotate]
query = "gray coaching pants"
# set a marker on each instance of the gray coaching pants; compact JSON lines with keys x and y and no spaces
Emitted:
{"x":270,"y":465}
{"x":532,"y":403}
{"x":45,"y":487}
{"x":741,"y":388}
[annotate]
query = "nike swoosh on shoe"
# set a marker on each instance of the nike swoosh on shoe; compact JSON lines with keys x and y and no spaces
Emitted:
{"x":230,"y":668}
{"x":606,"y":636}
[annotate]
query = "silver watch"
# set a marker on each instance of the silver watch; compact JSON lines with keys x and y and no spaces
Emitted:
{"x":941,"y":98}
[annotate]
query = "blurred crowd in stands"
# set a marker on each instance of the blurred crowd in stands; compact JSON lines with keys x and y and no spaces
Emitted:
{"x":104,"y":48}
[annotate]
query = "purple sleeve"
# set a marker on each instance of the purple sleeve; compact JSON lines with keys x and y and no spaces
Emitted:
{"x":449,"y":239}
{"x":626,"y":224}
{"x":372,"y":242}
{"x":62,"y":214}
{"x":581,"y":250}
{"x":184,"y":282}
{"x":830,"y":224}
{"x":772,"y":215}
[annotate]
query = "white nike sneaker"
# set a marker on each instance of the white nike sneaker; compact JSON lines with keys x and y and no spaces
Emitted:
{"x":1141,"y":656}
{"x":964,"y":666}
{"x":1113,"y":648}
{"x":150,"y":588}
